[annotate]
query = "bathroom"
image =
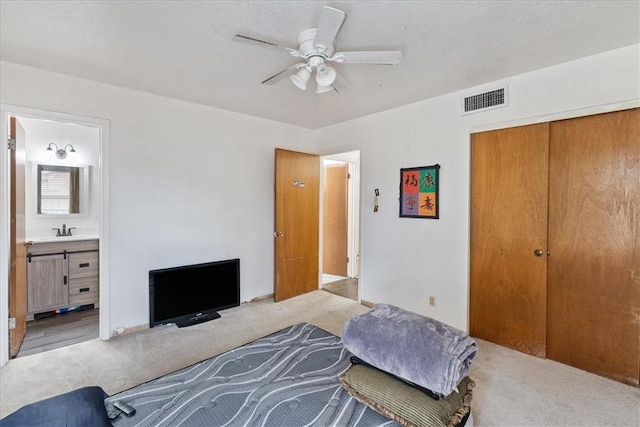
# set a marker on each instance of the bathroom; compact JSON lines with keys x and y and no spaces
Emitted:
{"x":62,"y":211}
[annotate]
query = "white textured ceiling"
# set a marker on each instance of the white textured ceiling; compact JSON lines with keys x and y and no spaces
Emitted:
{"x":183,"y":49}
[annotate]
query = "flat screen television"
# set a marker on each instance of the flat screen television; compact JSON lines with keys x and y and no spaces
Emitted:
{"x":193,"y":293}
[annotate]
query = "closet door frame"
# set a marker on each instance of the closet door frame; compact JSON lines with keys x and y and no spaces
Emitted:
{"x":617,"y":254}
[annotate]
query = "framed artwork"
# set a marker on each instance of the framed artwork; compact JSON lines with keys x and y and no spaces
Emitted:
{"x":419,"y":192}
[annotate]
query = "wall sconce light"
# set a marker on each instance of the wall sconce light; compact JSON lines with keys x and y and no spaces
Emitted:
{"x":61,"y":153}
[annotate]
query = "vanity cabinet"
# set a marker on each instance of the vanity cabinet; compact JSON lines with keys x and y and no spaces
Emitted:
{"x":62,"y":274}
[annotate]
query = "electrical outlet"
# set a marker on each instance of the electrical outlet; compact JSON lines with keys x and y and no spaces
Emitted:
{"x":432,"y":300}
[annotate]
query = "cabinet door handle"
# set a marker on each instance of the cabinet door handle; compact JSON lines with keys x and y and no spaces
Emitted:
{"x":84,"y":264}
{"x":65,"y":280}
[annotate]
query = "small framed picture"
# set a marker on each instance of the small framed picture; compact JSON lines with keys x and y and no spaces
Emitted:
{"x":419,"y":192}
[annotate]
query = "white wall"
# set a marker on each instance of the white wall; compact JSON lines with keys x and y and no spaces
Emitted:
{"x":188,"y":183}
{"x":405,"y":260}
{"x":85,"y":140}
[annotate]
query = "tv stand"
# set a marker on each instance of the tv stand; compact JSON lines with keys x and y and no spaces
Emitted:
{"x":194,"y":320}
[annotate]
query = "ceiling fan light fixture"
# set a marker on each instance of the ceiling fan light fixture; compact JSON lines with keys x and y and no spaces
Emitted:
{"x":323,"y":89}
{"x":301,"y":78}
{"x":325,"y":75}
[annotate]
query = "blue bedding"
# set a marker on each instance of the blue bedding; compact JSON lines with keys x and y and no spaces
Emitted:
{"x":79,"y":408}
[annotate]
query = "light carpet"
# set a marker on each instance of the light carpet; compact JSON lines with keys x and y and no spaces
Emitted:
{"x":513,"y":389}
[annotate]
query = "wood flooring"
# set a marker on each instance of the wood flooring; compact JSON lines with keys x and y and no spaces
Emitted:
{"x":60,"y":330}
{"x":347,"y":288}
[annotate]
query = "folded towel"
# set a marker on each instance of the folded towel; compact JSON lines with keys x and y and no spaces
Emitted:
{"x":413,"y":347}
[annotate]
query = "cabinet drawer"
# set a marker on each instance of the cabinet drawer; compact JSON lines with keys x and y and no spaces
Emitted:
{"x":84,"y":291}
{"x":83,"y":264}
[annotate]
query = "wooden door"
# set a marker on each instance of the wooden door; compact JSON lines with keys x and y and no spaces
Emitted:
{"x":594,"y":240}
{"x":296,"y":235}
{"x":509,"y":182}
{"x":18,"y":269}
{"x":335,"y":220}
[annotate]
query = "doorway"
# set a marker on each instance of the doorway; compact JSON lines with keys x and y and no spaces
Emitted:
{"x":77,"y":144}
{"x":340,"y":215}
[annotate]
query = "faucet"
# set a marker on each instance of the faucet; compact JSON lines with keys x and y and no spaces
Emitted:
{"x":65,"y":231}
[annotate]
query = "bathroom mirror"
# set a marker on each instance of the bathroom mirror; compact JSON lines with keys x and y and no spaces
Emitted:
{"x":61,"y":189}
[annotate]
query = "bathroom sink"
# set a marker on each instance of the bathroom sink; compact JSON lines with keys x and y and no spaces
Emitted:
{"x":63,"y":238}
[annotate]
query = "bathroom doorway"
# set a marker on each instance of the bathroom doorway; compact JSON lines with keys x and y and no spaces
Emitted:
{"x":340,"y":215}
{"x":63,"y":183}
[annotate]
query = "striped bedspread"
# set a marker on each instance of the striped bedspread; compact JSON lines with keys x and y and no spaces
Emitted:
{"x":289,"y":378}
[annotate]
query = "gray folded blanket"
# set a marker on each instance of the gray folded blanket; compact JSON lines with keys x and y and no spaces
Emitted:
{"x":413,"y":347}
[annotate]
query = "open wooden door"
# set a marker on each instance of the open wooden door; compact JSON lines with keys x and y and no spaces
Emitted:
{"x":297,"y":177}
{"x":335,"y":219}
{"x":17,"y":256}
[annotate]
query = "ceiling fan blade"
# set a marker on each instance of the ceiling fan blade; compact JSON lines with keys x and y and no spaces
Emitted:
{"x":331,"y":21}
{"x":283,"y":74}
{"x":269,"y":45}
{"x":340,"y":84}
{"x":383,"y":57}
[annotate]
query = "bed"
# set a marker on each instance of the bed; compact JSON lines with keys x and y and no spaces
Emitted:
{"x":289,"y":378}
{"x":298,"y":376}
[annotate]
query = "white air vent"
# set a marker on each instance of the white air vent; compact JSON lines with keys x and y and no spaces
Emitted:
{"x":487,"y":100}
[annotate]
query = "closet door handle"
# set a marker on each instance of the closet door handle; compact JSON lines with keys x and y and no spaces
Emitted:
{"x":538,"y":252}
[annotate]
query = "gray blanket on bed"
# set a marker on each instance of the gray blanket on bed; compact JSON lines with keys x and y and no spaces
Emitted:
{"x":415,"y":348}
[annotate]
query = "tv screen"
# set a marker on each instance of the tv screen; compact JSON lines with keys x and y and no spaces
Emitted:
{"x":193,"y":293}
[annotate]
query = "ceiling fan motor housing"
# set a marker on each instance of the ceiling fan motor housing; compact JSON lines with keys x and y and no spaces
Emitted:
{"x":309,"y":50}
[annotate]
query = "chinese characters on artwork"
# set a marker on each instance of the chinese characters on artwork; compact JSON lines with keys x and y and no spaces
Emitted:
{"x":419,"y":192}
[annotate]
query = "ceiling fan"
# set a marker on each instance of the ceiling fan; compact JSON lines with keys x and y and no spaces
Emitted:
{"x":316,"y":50}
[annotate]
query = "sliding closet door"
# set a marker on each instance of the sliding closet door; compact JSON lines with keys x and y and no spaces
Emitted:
{"x":594,"y":240}
{"x":509,"y":184}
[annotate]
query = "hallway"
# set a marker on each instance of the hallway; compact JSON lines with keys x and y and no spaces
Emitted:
{"x":346,"y":287}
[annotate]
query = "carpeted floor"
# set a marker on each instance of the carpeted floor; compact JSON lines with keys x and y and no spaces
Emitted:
{"x":513,"y":389}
